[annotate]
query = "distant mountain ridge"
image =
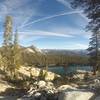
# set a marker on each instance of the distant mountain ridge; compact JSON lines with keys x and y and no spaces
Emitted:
{"x":32,"y":55}
{"x":33,"y":50}
{"x":66,"y":52}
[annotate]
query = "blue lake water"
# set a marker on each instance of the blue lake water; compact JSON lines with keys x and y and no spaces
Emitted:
{"x":60,"y":70}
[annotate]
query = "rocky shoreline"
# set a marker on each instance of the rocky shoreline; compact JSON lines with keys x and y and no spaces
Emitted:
{"x":43,"y":90}
{"x":76,"y":86}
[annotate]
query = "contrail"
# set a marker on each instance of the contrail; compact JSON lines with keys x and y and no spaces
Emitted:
{"x":50,"y":17}
{"x":26,"y":21}
{"x":65,"y":3}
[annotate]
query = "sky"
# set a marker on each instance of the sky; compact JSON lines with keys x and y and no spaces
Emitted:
{"x":46,"y":24}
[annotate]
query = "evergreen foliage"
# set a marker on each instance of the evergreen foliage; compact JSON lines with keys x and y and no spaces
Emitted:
{"x":8,"y":31}
{"x":93,"y":49}
{"x":11,"y":56}
{"x":92,"y":10}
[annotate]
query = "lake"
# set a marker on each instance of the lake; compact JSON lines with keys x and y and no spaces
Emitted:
{"x":60,"y":70}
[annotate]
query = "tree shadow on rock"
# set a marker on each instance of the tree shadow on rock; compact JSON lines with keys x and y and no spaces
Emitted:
{"x":12,"y":94}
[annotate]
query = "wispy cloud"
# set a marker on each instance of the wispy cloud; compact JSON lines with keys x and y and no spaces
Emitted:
{"x":73,"y":46}
{"x":19,"y":9}
{"x":28,"y":38}
{"x":64,"y":2}
{"x":24,"y":11}
{"x":50,"y":17}
{"x":31,"y":34}
{"x":81,"y":46}
{"x":72,"y":31}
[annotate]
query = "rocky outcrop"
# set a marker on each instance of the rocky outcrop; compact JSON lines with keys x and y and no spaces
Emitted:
{"x":35,"y":72}
{"x":97,"y":98}
{"x":44,"y":90}
{"x":95,"y":84}
{"x":80,"y":74}
{"x":4,"y":84}
{"x":41,"y":84}
{"x":75,"y":95}
{"x":41,"y":90}
{"x":65,"y":87}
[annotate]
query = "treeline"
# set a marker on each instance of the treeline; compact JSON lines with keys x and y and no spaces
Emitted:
{"x":54,"y":60}
{"x":67,"y":59}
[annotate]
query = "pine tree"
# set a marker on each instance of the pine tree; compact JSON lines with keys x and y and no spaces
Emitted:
{"x":11,"y":50}
{"x":8,"y":31}
{"x":93,"y":49}
{"x":7,"y":44}
{"x":17,"y":52}
{"x":1,"y":63}
{"x":14,"y":57}
{"x":92,"y":10}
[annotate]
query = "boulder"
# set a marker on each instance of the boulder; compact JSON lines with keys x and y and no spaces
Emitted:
{"x":49,"y":85}
{"x":25,"y":98}
{"x":74,"y":85}
{"x":75,"y":95}
{"x":95,"y":84}
{"x":41,"y":84}
{"x":49,"y":76}
{"x":97,"y":98}
{"x":79,"y":76}
{"x":66,"y":87}
{"x":35,"y":72}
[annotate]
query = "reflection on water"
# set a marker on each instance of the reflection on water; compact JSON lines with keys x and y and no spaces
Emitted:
{"x":61,"y":70}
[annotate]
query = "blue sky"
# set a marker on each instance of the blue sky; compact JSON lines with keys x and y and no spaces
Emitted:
{"x":49,"y":24}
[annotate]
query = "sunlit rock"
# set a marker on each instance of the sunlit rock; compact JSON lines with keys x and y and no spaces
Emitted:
{"x":75,"y":95}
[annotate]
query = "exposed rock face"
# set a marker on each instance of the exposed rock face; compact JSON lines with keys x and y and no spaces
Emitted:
{"x":65,"y":87}
{"x":41,"y":84}
{"x":79,"y":76}
{"x":4,"y":84}
{"x":95,"y":84}
{"x":35,"y":72}
{"x":75,"y":95}
{"x":47,"y":91}
{"x":97,"y":98}
{"x":43,"y":91}
{"x":50,"y":76}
